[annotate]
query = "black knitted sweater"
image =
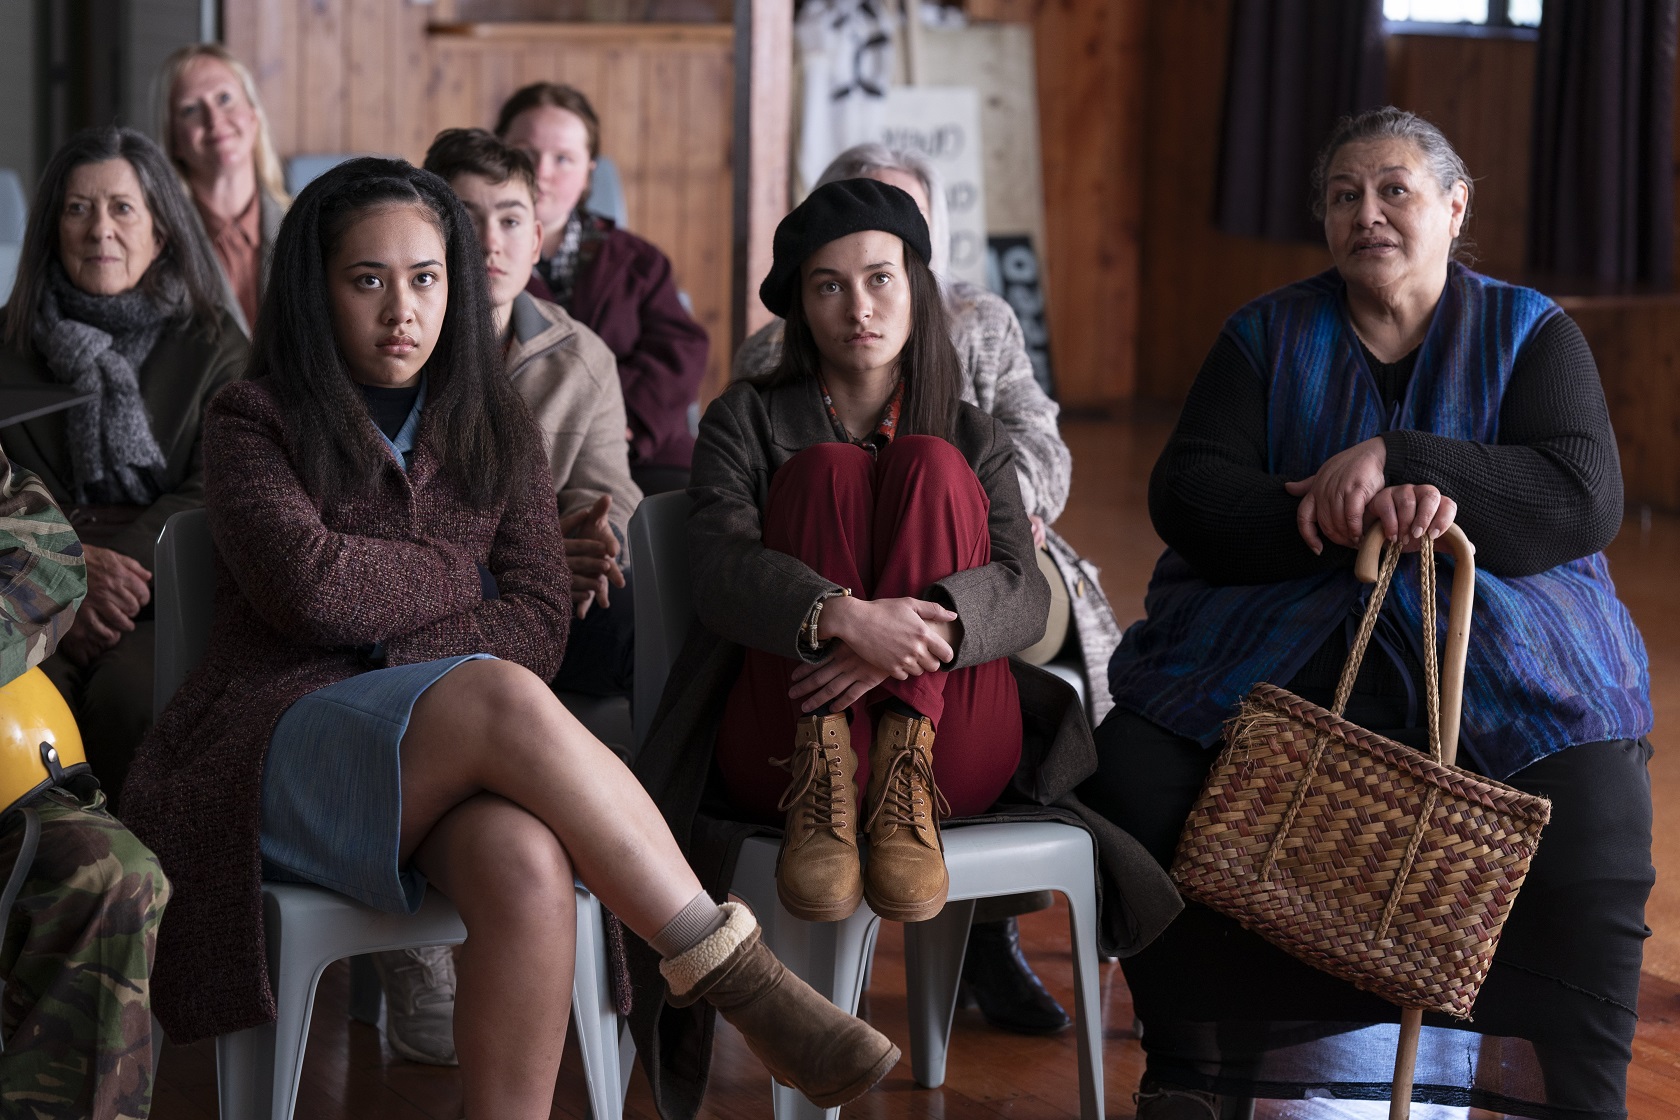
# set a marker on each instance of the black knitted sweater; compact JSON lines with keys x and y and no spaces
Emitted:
{"x":1547,"y":491}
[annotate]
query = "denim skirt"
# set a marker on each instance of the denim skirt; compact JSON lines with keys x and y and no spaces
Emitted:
{"x":332,"y":786}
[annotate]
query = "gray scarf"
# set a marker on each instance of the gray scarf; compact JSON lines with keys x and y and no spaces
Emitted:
{"x":97,"y":344}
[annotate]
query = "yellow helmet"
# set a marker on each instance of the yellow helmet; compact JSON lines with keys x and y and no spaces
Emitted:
{"x":39,"y":743}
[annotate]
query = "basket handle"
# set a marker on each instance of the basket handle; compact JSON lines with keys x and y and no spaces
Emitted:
{"x":1458,"y":622}
{"x":1365,"y":569}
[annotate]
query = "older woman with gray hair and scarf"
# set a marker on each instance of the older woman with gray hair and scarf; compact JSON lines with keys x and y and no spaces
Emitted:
{"x":998,"y":379}
{"x":118,"y":296}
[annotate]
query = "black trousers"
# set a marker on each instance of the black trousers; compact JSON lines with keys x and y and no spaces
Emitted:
{"x":600,"y":647}
{"x":111,"y":698}
{"x":1224,"y":1010}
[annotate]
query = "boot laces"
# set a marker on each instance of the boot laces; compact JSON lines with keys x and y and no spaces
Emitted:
{"x":900,"y":804}
{"x":816,"y":774}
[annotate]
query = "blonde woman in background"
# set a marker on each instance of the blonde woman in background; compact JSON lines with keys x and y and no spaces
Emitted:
{"x":211,"y":124}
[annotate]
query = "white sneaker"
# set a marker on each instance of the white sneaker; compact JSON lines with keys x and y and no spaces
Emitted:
{"x":420,"y":1003}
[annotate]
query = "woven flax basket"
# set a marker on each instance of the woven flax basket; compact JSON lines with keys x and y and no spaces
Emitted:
{"x":1372,"y":861}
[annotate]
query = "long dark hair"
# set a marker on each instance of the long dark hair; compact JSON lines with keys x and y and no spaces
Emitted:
{"x":472,"y":411}
{"x":928,"y":364}
{"x":185,"y":255}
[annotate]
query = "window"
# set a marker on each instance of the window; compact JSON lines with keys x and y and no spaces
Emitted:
{"x":1478,"y":13}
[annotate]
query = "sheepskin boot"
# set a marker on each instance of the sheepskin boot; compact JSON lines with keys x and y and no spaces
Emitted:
{"x":906,"y":880}
{"x":803,"y":1040}
{"x":818,"y":875}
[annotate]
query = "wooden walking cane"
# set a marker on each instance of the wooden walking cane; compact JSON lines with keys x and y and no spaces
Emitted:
{"x":1452,"y":707}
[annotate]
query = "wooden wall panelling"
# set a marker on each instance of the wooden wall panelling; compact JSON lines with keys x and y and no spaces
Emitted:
{"x":1480,"y":92}
{"x":1677,"y":182}
{"x":663,"y":121}
{"x":616,"y":84}
{"x":1091,"y":105}
{"x":453,"y":98}
{"x":1193,"y":276}
{"x":764,"y":97}
{"x":370,"y":64}
{"x":1636,"y":342}
{"x":323,"y":106}
{"x":265,"y":37}
{"x":707,"y":104}
{"x":411,"y":102}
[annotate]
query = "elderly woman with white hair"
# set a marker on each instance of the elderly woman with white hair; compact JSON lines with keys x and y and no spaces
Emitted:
{"x":998,"y":379}
{"x":211,"y":124}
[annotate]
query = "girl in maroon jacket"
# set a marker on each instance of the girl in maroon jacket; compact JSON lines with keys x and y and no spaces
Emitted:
{"x":613,"y":282}
{"x":391,"y":598}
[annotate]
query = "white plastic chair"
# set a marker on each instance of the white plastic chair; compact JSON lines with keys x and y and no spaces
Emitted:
{"x":14,"y":219}
{"x":984,"y":860}
{"x":308,"y":928}
{"x":606,"y":193}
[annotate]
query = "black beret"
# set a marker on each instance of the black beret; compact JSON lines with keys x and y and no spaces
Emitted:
{"x":829,"y":213}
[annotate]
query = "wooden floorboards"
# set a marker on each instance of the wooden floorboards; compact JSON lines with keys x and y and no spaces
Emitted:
{"x":349,"y":1074}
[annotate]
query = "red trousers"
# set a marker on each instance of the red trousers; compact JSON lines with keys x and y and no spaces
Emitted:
{"x":885,"y":528}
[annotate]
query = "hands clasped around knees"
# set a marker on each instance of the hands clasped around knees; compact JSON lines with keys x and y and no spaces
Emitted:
{"x":898,"y":638}
{"x":1349,"y":493}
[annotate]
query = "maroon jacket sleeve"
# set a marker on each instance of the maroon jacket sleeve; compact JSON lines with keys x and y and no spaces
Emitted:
{"x":631,"y":302}
{"x":324,"y":587}
{"x":529,"y":622}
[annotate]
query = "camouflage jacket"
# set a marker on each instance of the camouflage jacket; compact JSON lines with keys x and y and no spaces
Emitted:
{"x":42,"y":573}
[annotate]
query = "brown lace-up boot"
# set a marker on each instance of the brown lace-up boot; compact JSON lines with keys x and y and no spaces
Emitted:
{"x":802,"y":1039}
{"x":906,"y":880}
{"x":818,"y":876}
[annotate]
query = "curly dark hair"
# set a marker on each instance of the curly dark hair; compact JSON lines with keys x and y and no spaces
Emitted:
{"x":472,"y":410}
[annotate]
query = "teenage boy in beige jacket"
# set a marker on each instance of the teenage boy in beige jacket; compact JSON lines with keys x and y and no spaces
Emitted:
{"x":569,"y":380}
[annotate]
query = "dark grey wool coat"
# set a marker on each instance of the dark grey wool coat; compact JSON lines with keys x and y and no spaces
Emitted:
{"x":299,"y":587}
{"x":747,"y":595}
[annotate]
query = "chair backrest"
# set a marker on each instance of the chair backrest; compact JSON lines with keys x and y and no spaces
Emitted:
{"x":185,"y":581}
{"x":14,"y":207}
{"x":301,"y":170}
{"x":606,"y":192}
{"x":14,"y":218}
{"x":664,"y":597}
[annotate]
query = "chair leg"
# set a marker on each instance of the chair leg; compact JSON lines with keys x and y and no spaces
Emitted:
{"x":626,"y":1059}
{"x":367,"y":994}
{"x":245,"y":1074}
{"x":593,"y":1015}
{"x":933,"y":960}
{"x":830,"y":956}
{"x":1082,"y":923}
{"x":296,"y":959}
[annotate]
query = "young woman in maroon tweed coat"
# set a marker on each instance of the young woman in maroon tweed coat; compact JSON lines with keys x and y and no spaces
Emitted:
{"x":391,"y":599}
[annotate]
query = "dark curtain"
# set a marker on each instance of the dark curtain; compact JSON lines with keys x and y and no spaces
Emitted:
{"x":1602,"y":188}
{"x":1295,"y":68}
